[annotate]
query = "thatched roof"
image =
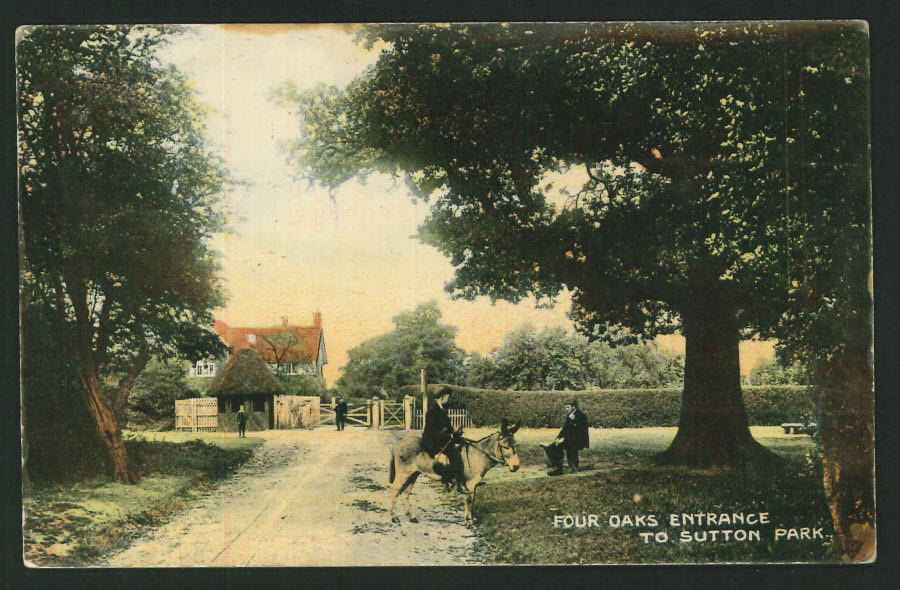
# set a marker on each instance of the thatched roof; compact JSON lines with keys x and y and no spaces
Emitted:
{"x":245,"y":374}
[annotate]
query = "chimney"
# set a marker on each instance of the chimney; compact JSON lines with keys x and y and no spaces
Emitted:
{"x":284,"y":321}
{"x":317,"y":319}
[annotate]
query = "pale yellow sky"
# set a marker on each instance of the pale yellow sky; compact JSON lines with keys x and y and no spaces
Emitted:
{"x":292,"y":249}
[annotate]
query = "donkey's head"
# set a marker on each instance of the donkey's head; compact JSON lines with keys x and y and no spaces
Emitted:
{"x":506,"y":445}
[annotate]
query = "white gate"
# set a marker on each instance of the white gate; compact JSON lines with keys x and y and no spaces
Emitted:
{"x":458,"y":418}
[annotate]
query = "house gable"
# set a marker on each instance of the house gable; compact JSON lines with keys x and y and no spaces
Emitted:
{"x":309,"y":351}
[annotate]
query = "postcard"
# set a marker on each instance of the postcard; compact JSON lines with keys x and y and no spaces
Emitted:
{"x":446,"y":294}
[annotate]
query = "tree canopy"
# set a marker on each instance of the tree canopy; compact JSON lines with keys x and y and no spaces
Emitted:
{"x":119,"y":196}
{"x":687,"y":141}
{"x":553,"y":358}
{"x":724,"y":193}
{"x":387,"y":362}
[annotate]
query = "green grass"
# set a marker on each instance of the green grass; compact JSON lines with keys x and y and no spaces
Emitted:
{"x":516,"y":511}
{"x":74,"y":524}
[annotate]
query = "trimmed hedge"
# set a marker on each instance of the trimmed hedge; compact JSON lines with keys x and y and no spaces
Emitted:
{"x":615,"y":408}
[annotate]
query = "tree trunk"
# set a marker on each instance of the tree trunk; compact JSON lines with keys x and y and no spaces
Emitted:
{"x":848,"y":454}
{"x":108,"y":429}
{"x":103,"y":414}
{"x":713,"y":430}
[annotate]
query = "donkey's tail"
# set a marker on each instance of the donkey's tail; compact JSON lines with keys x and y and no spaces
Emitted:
{"x":393,"y":472}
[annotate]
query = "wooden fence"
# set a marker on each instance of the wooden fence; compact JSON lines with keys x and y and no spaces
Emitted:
{"x":197,"y":414}
{"x":386,"y":414}
{"x":458,"y":418}
{"x":293,"y":411}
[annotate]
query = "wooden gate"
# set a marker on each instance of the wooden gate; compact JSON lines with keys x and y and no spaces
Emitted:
{"x":391,"y":415}
{"x":296,"y":411}
{"x":197,"y":414}
{"x":360,"y":414}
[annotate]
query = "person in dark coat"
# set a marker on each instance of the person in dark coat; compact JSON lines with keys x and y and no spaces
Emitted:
{"x":572,"y":438}
{"x":242,"y":422}
{"x":340,"y":414}
{"x":439,"y":437}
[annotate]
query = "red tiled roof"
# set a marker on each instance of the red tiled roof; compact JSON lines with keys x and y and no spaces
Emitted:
{"x":307,"y":349}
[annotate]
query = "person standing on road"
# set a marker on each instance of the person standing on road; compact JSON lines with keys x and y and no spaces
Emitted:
{"x":573,"y":437}
{"x":340,"y":414}
{"x":242,"y":422}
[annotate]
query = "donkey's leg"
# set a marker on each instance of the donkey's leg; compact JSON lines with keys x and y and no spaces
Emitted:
{"x":402,"y":486}
{"x":468,"y":501}
{"x":472,"y":506}
{"x":400,"y":478}
{"x":406,"y":494}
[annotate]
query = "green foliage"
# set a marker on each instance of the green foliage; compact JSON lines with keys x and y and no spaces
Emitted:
{"x":196,"y":458}
{"x":695,"y":146}
{"x":83,"y":522}
{"x":706,"y":178}
{"x":555,"y":359}
{"x":382,"y":365}
{"x":119,"y":196}
{"x":199,"y":384}
{"x":152,"y":401}
{"x":616,"y":408}
{"x":772,"y":372}
{"x":302,"y":384}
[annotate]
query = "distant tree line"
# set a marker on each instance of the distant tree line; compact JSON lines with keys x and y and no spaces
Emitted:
{"x":553,"y":358}
{"x":528,"y":359}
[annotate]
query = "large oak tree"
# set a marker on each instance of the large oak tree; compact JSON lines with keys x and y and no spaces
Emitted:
{"x":724,"y":188}
{"x":118,"y":196}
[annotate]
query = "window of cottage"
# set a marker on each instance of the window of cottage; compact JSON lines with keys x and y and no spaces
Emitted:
{"x":259,"y":404}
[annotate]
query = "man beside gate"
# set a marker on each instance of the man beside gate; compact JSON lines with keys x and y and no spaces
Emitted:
{"x":340,"y":414}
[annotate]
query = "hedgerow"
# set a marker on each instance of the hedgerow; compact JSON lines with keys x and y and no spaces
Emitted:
{"x":615,"y":408}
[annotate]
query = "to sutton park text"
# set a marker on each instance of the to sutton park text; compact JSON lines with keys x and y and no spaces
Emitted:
{"x":692,"y":527}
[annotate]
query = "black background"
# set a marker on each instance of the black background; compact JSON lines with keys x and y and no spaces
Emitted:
{"x":885,"y":53}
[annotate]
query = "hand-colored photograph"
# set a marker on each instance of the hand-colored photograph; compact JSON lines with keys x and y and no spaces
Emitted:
{"x":445,"y":294}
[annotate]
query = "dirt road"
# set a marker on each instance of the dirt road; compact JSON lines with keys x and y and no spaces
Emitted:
{"x":311,"y":498}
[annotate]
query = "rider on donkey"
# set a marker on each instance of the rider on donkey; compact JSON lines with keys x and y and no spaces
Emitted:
{"x":439,"y":437}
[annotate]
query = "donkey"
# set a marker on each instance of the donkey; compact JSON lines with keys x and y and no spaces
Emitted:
{"x":408,"y":460}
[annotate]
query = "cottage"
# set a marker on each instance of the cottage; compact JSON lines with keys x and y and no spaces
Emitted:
{"x":245,"y":380}
{"x":287,"y":349}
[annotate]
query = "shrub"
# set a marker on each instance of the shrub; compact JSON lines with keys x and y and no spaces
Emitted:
{"x":615,"y":408}
{"x":152,"y":401}
{"x":302,"y":384}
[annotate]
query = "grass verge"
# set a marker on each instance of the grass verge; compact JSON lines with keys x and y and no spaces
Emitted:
{"x":76,"y":524}
{"x":516,"y":512}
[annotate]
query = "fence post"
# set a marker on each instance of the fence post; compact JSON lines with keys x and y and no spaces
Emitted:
{"x":424,"y":397}
{"x":193,"y":414}
{"x":407,"y":412}
{"x":376,"y":413}
{"x":332,"y":403}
